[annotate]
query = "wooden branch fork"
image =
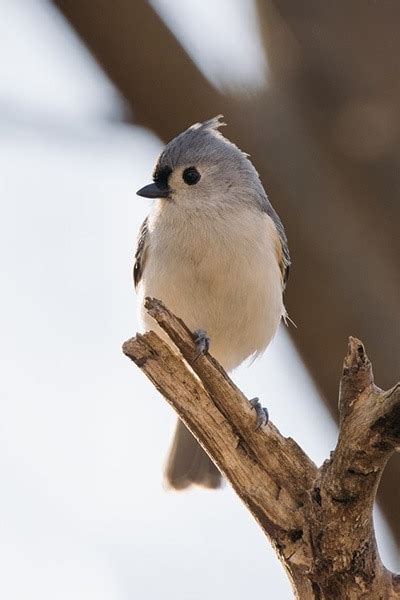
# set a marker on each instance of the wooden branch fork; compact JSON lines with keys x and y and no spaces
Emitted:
{"x":319,"y":520}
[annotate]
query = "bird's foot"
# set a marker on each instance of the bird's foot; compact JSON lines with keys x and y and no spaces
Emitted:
{"x":262,"y":417}
{"x":202,"y":341}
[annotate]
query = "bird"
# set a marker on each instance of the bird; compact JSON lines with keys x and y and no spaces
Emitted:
{"x":215,"y":252}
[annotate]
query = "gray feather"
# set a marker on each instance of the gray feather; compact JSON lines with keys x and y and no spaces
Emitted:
{"x":140,"y":253}
{"x":286,"y":262}
{"x":188,"y":463}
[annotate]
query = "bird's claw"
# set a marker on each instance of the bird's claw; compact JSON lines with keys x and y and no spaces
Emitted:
{"x":202,"y":342}
{"x":262,"y":417}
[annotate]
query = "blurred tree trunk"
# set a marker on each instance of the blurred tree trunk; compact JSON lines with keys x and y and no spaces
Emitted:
{"x":324,"y":136}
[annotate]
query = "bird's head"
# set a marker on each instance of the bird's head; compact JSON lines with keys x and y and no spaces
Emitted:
{"x":200,"y":167}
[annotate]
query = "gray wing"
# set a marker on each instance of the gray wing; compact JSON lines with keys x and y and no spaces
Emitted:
{"x":283,"y":250}
{"x":284,"y":259}
{"x":140,"y":253}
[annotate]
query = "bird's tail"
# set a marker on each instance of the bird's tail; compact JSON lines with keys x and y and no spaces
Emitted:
{"x":188,"y":464}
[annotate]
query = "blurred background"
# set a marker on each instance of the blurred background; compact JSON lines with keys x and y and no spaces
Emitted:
{"x":89,"y":93}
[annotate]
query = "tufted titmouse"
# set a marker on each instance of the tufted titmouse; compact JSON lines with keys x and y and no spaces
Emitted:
{"x":215,"y":252}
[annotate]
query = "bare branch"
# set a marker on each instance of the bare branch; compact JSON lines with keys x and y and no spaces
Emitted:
{"x":319,"y":520}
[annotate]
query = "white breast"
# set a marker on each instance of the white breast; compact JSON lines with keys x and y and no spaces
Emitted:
{"x":218,"y":272}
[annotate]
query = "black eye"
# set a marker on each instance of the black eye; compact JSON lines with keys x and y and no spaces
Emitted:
{"x":190,"y":176}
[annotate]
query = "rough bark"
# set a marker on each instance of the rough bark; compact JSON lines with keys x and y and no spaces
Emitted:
{"x":318,"y":520}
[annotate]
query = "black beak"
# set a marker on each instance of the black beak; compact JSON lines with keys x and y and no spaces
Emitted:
{"x":153,"y":191}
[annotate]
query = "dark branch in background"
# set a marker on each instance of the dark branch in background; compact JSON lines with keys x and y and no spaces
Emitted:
{"x":319,"y":520}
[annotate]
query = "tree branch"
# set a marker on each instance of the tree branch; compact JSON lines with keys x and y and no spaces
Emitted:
{"x":319,"y":520}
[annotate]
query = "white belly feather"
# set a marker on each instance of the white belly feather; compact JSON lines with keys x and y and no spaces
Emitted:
{"x":219,"y":273}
